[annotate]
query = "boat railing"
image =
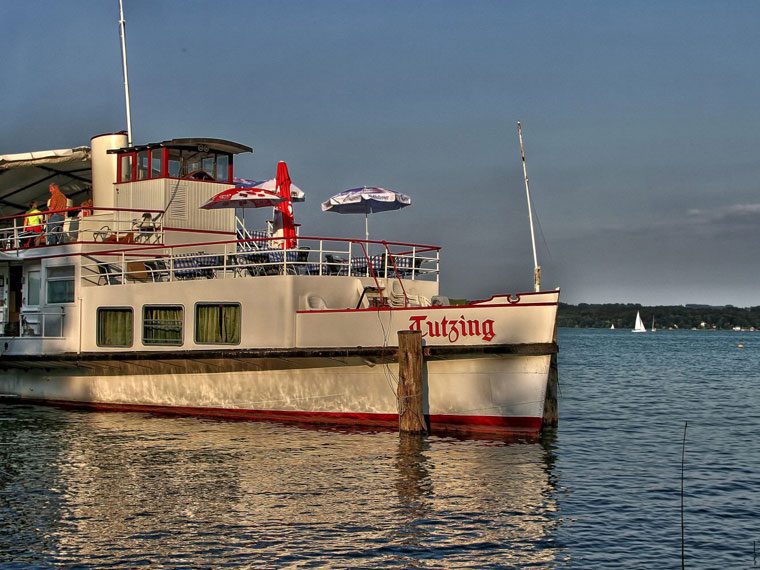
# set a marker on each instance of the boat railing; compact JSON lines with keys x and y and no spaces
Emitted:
{"x":261,"y":256}
{"x":83,"y":225}
{"x":36,"y":322}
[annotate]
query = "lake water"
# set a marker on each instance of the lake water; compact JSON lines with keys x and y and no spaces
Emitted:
{"x":125,"y":490}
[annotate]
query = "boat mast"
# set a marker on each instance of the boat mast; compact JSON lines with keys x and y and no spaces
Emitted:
{"x":123,"y":34}
{"x":536,"y":266}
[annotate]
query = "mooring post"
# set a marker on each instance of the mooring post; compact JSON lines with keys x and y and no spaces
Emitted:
{"x":551,"y":406}
{"x":411,"y":418}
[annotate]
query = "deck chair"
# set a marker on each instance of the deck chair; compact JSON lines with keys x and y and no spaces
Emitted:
{"x":398,"y":299}
{"x":138,"y":272}
{"x":108,"y":274}
{"x":334,"y":265}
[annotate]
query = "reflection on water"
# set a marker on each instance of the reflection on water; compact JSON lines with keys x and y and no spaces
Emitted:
{"x":131,"y":489}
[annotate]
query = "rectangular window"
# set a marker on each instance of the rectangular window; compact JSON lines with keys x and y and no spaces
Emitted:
{"x":115,"y":327}
{"x":175,"y":162}
{"x":155,"y":159}
{"x":60,"y":284}
{"x":222,"y":168}
{"x":33,"y":283}
{"x":217,"y":323}
{"x":125,"y":167}
{"x":142,"y":165}
{"x":162,"y":324}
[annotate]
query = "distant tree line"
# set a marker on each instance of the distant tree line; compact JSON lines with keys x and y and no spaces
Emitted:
{"x":585,"y":315}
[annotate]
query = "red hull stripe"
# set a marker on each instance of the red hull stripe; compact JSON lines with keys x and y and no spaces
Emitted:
{"x":515,"y":425}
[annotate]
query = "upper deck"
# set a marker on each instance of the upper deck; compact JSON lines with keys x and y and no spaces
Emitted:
{"x":139,"y":233}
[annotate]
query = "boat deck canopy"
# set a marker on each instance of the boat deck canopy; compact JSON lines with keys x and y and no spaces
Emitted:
{"x":207,"y":145}
{"x":26,"y":176}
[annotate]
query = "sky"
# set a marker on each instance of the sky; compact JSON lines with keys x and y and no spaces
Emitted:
{"x":641,"y":123}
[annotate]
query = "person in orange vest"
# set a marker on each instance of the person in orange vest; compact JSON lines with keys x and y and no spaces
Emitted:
{"x":57,"y":204}
{"x":32,"y":225}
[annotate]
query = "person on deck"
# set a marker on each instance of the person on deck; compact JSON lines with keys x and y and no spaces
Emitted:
{"x":86,"y":207}
{"x":57,"y":204}
{"x":32,"y":225}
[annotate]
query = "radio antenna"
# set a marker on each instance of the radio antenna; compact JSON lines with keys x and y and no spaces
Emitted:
{"x":123,"y":34}
{"x":536,"y":266}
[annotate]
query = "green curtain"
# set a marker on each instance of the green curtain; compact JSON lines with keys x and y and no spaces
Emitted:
{"x":162,"y":325}
{"x":217,"y":324}
{"x":115,"y":327}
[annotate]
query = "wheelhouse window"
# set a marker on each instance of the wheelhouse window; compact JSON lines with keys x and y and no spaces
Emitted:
{"x":126,"y":167}
{"x":115,"y":327}
{"x":198,"y":165}
{"x":156,"y":161}
{"x":60,"y":284}
{"x":143,"y":165}
{"x":217,"y":323}
{"x":162,"y":324}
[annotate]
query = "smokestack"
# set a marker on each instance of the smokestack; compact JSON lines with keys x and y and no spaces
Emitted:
{"x":104,"y":167}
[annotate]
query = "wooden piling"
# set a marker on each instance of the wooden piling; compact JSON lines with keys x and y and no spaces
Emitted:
{"x":551,"y":405}
{"x":411,"y":418}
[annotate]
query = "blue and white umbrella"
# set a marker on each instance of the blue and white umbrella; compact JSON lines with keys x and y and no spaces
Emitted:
{"x":366,"y":200}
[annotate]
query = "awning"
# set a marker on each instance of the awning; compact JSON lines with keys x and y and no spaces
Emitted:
{"x":26,"y":176}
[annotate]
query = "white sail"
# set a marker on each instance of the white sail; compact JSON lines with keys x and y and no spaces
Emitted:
{"x":612,"y":327}
{"x":639,"y":327}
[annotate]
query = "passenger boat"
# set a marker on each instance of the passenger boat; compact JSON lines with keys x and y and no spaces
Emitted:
{"x":144,"y":301}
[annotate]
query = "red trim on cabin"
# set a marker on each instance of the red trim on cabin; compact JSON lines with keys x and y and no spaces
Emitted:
{"x":436,"y":307}
{"x":497,"y":425}
{"x":194,"y":231}
{"x":164,"y":162}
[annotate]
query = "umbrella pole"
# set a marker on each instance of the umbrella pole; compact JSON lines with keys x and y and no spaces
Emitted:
{"x":366,"y":227}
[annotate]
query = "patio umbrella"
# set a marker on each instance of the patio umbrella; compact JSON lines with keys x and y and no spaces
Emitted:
{"x":283,"y":218}
{"x":242,"y":198}
{"x":366,"y":200}
{"x":296,"y":194}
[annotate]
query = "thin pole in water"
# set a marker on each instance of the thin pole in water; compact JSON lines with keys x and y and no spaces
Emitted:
{"x":123,"y":35}
{"x":683,"y":456}
{"x":536,"y":267}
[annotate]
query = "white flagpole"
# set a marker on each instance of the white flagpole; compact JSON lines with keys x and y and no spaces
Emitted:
{"x":536,"y":267}
{"x":123,"y":34}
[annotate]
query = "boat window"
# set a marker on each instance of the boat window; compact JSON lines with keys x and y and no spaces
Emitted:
{"x":175,"y":162}
{"x":115,"y":327}
{"x":217,"y":323}
{"x":222,"y":168}
{"x":156,"y":156}
{"x":60,"y":284}
{"x":33,"y":283}
{"x":162,"y":324}
{"x":198,"y":165}
{"x":142,"y":165}
{"x":125,"y":167}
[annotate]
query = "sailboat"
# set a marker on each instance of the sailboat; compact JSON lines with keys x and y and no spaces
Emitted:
{"x":653,"y":329}
{"x":639,"y":326}
{"x":612,"y":327}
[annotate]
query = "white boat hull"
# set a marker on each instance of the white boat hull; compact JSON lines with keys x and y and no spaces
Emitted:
{"x":488,"y":393}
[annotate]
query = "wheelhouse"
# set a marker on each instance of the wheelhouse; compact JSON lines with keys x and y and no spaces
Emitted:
{"x":199,"y":159}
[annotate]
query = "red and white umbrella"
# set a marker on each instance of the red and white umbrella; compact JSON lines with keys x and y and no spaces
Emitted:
{"x":296,"y":194}
{"x":284,"y":221}
{"x":243,"y":198}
